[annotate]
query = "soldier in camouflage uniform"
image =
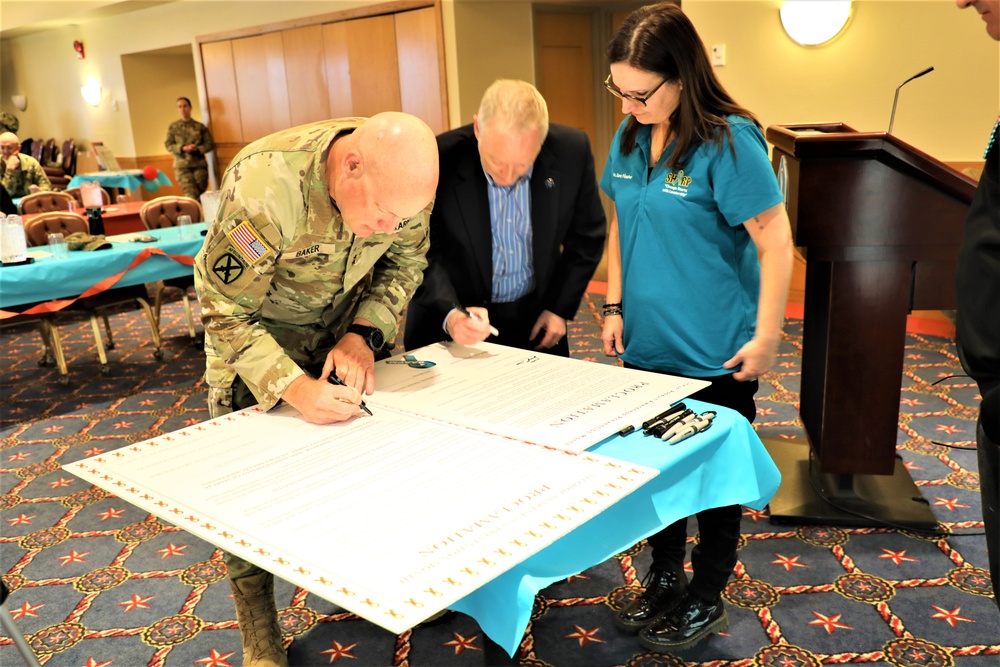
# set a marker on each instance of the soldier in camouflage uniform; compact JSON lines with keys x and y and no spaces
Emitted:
{"x":20,"y":174}
{"x":189,"y":141}
{"x":318,"y":244}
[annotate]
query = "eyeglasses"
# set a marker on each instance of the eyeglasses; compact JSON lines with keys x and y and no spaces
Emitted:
{"x":631,"y":98}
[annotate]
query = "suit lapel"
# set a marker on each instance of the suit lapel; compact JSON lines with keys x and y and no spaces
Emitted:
{"x":474,"y":204}
{"x":545,"y":183}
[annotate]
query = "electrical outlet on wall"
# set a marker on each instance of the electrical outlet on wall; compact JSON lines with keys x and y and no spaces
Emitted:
{"x":718,"y":55}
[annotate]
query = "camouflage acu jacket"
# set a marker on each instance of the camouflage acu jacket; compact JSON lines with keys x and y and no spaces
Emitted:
{"x":281,"y":277}
{"x":184,"y":132}
{"x":28,"y":173}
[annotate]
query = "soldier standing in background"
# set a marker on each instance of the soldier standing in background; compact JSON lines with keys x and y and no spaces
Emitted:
{"x":189,"y":141}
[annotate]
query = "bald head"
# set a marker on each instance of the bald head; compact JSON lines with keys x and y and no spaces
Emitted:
{"x":385,"y":172}
{"x":9,"y":144}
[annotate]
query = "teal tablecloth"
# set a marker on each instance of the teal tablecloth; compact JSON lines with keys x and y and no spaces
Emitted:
{"x":47,"y":279}
{"x":725,"y":465}
{"x":129,"y":179}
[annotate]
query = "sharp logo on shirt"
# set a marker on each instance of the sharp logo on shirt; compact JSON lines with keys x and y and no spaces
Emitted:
{"x":676,"y":183}
{"x":228,"y":268}
{"x":311,"y":250}
{"x":246,"y":239}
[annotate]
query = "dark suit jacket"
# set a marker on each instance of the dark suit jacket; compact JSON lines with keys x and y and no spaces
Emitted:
{"x":568,"y":226}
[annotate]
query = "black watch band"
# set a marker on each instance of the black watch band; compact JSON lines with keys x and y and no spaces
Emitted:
{"x":373,"y":335}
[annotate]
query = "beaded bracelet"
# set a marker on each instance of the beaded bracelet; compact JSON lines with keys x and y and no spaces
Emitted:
{"x":611,"y":305}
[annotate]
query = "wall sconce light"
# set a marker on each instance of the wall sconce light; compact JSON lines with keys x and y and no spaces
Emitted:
{"x":815,"y":22}
{"x":20,"y":102}
{"x":91,"y":92}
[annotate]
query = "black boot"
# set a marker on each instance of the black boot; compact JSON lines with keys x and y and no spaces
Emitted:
{"x":690,"y":621}
{"x":663,"y":591}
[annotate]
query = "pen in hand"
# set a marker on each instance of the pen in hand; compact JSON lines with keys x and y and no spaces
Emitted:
{"x":333,"y":379}
{"x":461,"y":309}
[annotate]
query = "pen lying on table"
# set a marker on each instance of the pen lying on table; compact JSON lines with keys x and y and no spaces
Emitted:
{"x":333,"y":379}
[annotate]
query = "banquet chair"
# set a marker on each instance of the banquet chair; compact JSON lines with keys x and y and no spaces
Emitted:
{"x":78,"y":196}
{"x":66,"y":222}
{"x":38,"y":228}
{"x":163,"y":212}
{"x":47,"y":200}
{"x":36,"y":233}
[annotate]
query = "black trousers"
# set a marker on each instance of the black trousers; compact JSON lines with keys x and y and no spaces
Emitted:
{"x":714,"y":557}
{"x":514,"y":321}
{"x":988,"y":452}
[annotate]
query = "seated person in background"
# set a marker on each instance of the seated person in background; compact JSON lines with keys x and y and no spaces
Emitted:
{"x":517,"y":228}
{"x":20,"y":174}
{"x":189,"y":141}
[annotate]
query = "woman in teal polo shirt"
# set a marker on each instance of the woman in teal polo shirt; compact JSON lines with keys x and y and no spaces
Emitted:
{"x":696,"y":202}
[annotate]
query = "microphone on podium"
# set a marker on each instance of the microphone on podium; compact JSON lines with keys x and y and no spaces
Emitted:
{"x":896,"y":98}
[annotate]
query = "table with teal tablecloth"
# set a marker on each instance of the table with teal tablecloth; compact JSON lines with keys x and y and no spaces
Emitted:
{"x":46,"y":279}
{"x":725,"y":465}
{"x":128,"y":179}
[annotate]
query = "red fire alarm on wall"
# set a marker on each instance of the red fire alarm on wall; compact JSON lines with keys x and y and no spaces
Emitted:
{"x":78,"y":47}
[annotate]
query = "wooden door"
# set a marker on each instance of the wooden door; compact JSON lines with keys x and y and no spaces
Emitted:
{"x":371,"y":53}
{"x":421,"y":67}
{"x":565,"y":77}
{"x":306,"y":74}
{"x":260,"y":80}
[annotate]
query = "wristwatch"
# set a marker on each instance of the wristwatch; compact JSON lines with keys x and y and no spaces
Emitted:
{"x":373,"y":335}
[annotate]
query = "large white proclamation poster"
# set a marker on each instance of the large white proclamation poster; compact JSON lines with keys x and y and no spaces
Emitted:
{"x":392,"y":517}
{"x":535,"y":397}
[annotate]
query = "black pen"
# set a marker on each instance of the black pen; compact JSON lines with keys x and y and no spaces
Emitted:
{"x":665,"y":426}
{"x":663,"y":415}
{"x":461,"y":309}
{"x":336,"y":380}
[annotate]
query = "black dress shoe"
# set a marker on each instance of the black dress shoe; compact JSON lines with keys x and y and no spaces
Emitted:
{"x":690,"y":621}
{"x":663,"y":591}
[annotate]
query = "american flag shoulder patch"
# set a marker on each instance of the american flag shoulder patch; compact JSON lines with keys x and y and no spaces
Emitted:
{"x":246,"y":239}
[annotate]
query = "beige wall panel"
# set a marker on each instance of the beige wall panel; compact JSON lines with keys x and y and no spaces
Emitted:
{"x":493,"y":39}
{"x":223,"y":100}
{"x":421,"y":85}
{"x":338,"y":70}
{"x":260,"y":79}
{"x":153,"y":82}
{"x":371,"y":48}
{"x":306,"y":73}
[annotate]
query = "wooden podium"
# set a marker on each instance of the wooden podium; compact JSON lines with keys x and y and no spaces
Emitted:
{"x":879,"y":223}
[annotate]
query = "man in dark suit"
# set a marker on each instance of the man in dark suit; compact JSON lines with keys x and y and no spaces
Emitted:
{"x":516,"y":231}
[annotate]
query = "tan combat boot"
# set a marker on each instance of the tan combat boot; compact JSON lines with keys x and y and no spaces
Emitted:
{"x":258,"y":619}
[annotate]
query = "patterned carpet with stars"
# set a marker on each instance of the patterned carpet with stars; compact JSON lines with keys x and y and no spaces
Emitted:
{"x":96,"y":582}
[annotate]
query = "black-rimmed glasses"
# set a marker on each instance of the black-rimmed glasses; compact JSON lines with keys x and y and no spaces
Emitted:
{"x":631,"y":98}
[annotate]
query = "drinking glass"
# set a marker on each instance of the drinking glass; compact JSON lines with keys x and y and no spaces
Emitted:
{"x":184,"y":222}
{"x":58,"y":246}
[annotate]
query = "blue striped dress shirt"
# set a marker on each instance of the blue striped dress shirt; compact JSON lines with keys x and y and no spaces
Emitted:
{"x":510,"y":224}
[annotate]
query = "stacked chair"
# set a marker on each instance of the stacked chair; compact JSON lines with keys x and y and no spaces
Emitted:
{"x":60,"y":166}
{"x":163,"y":212}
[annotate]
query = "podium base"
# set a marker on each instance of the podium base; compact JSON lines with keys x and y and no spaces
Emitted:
{"x":811,"y":497}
